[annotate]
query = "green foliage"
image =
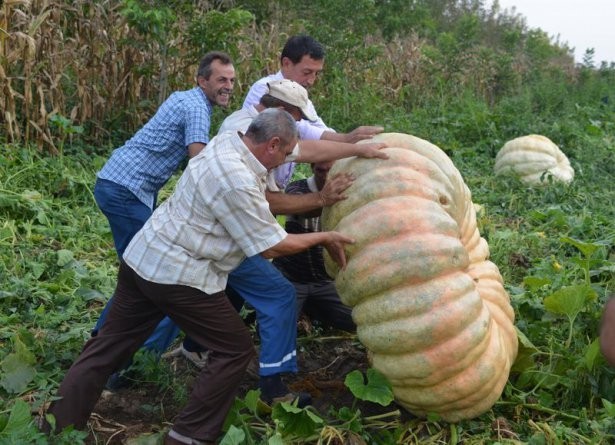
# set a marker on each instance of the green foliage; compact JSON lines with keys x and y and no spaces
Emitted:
{"x":295,"y":422}
{"x":217,"y":30}
{"x":149,"y":21}
{"x":251,"y":421}
{"x":234,"y":436}
{"x":569,"y":301}
{"x":397,"y":17}
{"x":17,"y":368}
{"x":19,"y":428}
{"x":53,"y":249}
{"x":17,"y":422}
{"x":377,"y":389}
{"x":65,"y":128}
{"x":451,"y":72}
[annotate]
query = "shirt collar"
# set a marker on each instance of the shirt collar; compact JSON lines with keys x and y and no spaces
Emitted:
{"x":253,"y":163}
{"x":210,"y":106}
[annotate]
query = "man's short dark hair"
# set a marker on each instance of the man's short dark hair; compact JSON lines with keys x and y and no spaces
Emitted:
{"x":302,"y":45}
{"x":205,"y":65}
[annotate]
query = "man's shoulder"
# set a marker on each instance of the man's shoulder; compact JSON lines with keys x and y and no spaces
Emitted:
{"x":263,"y":80}
{"x":224,"y":150}
{"x":221,"y":152}
{"x":259,"y":88}
{"x":243,"y":113}
{"x":226,"y":166}
{"x":191,"y":97}
{"x":239,"y":120}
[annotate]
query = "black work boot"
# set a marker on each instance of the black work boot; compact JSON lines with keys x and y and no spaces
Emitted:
{"x":273,"y":390}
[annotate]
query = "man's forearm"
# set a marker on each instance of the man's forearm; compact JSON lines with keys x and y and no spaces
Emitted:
{"x":283,"y":204}
{"x":294,"y":243}
{"x":325,"y":150}
{"x":334,"y":136}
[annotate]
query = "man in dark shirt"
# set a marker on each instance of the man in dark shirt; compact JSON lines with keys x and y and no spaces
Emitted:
{"x":316,"y":294}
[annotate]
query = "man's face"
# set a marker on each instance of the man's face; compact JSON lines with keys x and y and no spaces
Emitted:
{"x":271,"y":153}
{"x":277,"y":152}
{"x":304,"y":73}
{"x":284,"y":151}
{"x":321,"y":170}
{"x":219,"y":86}
{"x":295,"y":112}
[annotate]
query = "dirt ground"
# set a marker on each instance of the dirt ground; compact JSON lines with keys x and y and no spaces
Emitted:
{"x":324,"y":361}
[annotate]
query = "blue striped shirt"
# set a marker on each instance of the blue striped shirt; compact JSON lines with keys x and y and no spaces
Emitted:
{"x":146,"y":161}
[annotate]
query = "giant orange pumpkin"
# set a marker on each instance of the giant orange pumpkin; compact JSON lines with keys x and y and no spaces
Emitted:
{"x":429,"y":307}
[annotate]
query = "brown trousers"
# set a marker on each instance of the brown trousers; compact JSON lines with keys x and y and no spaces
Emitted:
{"x":137,"y":308}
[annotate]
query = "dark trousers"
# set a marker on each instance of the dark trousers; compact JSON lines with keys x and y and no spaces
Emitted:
{"x":320,"y":301}
{"x":137,"y":308}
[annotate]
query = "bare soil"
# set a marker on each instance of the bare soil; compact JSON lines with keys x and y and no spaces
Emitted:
{"x":324,"y":362}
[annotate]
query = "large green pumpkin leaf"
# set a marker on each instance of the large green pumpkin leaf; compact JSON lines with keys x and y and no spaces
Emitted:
{"x":525,"y":354}
{"x":17,"y":373}
{"x":535,"y":283}
{"x":570,"y":300}
{"x":234,"y":436}
{"x":17,"y":370}
{"x":18,"y":420}
{"x":609,"y":407}
{"x":378,"y":389}
{"x":65,"y":256}
{"x":587,"y":249}
{"x":276,"y":440}
{"x":292,"y":420}
{"x":253,"y":401}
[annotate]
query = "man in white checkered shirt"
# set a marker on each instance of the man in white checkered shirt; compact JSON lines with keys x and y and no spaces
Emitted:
{"x":177,"y":265}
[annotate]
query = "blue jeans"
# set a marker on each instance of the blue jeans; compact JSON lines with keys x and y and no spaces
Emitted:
{"x":126,"y":215}
{"x":256,"y":280}
{"x":272,"y":296}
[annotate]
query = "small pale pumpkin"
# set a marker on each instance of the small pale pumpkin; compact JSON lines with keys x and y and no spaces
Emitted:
{"x":534,"y":159}
{"x":429,"y":307}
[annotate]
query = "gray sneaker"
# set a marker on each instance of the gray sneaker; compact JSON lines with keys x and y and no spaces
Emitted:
{"x":301,"y":399}
{"x":198,"y":359}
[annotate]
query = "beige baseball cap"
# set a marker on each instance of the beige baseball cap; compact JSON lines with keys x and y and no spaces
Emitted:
{"x":294,"y":94}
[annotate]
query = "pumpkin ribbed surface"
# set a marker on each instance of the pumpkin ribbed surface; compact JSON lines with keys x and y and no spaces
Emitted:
{"x":429,"y":307}
{"x":533,"y":158}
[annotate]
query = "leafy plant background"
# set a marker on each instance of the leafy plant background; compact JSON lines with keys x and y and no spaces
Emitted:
{"x":78,"y":78}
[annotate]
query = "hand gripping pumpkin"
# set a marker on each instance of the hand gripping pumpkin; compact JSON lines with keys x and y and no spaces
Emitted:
{"x":534,"y":158}
{"x":429,"y":307}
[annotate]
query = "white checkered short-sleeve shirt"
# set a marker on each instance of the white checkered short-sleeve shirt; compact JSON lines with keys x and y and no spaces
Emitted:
{"x":216,"y":216}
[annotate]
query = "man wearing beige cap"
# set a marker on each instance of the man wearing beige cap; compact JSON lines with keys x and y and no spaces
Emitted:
{"x":282,"y":93}
{"x":293,"y":98}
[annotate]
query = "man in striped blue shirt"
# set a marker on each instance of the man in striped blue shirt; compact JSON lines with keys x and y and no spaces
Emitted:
{"x":127,"y":186}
